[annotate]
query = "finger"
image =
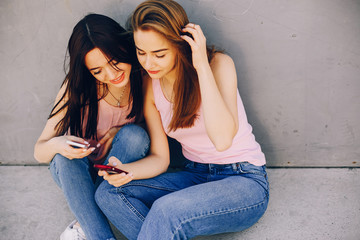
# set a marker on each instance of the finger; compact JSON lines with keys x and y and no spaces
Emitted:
{"x":87,"y":152}
{"x":113,"y":161}
{"x":196,"y":31}
{"x":79,"y":152}
{"x":190,"y":41}
{"x":102,"y":173}
{"x":118,"y":180}
{"x":191,"y":25}
{"x":77,"y":139}
{"x":192,"y":32}
{"x":105,"y":138}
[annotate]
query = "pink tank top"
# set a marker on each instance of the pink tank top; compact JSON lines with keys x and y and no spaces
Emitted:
{"x":108,"y":116}
{"x":197,"y":146}
{"x":111,"y":116}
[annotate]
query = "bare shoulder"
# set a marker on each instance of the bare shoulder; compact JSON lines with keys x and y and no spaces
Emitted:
{"x":221,"y":59}
{"x":223,"y":68}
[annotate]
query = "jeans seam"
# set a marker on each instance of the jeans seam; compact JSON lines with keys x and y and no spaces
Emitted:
{"x":219,"y":212}
{"x":150,"y":186}
{"x":131,"y":207}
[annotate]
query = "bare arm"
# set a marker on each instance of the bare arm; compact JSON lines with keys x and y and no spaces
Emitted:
{"x":158,"y":159}
{"x":218,"y":87}
{"x":50,"y":144}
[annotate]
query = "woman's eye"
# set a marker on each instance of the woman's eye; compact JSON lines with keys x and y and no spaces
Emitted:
{"x":115,"y":63}
{"x":161,"y":56}
{"x":97,"y":72}
{"x":140,"y":53}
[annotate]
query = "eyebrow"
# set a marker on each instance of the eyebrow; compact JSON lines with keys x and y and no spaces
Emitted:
{"x":156,"y":51}
{"x":91,"y":69}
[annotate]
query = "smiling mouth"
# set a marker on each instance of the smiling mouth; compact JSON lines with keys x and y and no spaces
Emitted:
{"x":119,"y":79}
{"x":153,"y":72}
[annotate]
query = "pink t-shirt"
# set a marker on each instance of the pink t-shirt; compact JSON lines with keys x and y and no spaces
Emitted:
{"x":197,"y":146}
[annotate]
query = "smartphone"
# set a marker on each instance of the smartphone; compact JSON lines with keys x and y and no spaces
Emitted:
{"x":77,"y":144}
{"x":109,"y":169}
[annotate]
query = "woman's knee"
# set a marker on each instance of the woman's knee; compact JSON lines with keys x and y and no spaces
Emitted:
{"x":133,"y":140}
{"x":103,"y":193}
{"x":132,"y":134}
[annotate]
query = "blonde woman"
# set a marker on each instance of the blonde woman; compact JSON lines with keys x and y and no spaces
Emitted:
{"x":192,"y":96}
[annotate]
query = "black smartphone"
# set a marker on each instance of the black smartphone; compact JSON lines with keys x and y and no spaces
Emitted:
{"x":109,"y":169}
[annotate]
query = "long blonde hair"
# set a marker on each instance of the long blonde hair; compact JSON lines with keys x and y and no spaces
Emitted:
{"x":168,"y":18}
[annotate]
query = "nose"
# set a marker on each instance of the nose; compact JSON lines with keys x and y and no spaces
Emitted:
{"x":148,"y":62}
{"x":111,"y":73}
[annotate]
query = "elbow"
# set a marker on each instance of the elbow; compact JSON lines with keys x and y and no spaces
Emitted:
{"x":224,"y":141}
{"x":223,"y":144}
{"x":36,"y":155}
{"x":37,"y":158}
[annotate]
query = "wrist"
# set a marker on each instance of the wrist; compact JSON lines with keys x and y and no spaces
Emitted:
{"x":203,"y":68}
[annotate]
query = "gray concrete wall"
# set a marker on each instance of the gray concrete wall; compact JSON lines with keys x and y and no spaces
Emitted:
{"x":298,"y":65}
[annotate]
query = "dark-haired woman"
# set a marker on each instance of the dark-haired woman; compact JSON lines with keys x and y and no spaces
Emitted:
{"x":98,"y":105}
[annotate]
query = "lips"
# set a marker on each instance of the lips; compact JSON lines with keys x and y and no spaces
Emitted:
{"x":153,"y":72}
{"x":118,"y":80}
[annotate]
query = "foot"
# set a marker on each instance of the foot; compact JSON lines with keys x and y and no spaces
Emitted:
{"x":73,"y":232}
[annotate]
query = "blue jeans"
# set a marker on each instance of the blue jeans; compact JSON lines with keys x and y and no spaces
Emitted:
{"x":76,"y":178}
{"x":202,"y":199}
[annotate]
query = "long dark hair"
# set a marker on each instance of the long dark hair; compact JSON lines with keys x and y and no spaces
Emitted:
{"x":81,"y":93}
{"x":167,"y":17}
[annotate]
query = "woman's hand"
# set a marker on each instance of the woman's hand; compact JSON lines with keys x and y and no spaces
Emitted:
{"x":106,"y":142}
{"x":197,"y":44}
{"x":69,"y":151}
{"x":116,"y":180}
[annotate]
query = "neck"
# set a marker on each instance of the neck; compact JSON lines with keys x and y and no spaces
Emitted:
{"x":115,"y":90}
{"x":118,"y":96}
{"x":170,"y":78}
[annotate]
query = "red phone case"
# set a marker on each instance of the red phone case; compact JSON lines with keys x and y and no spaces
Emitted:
{"x":109,"y":169}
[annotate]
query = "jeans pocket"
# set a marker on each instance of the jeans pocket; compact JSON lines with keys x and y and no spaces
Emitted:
{"x":246,"y":167}
{"x":258,"y":173}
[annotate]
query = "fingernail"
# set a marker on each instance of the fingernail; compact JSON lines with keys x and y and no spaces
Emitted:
{"x":86,"y":142}
{"x":92,"y":149}
{"x":98,"y":145}
{"x":84,"y":150}
{"x":114,"y":163}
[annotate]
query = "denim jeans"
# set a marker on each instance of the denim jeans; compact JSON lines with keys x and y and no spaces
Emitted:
{"x":76,"y":179}
{"x":202,"y":199}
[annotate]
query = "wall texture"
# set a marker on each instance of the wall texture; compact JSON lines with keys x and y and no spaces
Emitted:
{"x":298,"y":65}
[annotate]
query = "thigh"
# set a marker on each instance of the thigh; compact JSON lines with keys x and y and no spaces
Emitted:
{"x":63,"y":169}
{"x":148,"y":190}
{"x":127,"y":206}
{"x":231,"y":204}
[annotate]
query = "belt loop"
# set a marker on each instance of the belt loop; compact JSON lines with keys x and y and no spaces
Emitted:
{"x":234,"y":166}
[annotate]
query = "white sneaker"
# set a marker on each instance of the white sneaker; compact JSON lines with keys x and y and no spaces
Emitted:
{"x":73,"y":232}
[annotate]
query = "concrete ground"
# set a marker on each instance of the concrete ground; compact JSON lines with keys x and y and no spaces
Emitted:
{"x":305,"y":203}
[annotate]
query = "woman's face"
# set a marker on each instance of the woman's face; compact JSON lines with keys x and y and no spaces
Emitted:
{"x":106,"y":70}
{"x":155,"y":53}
